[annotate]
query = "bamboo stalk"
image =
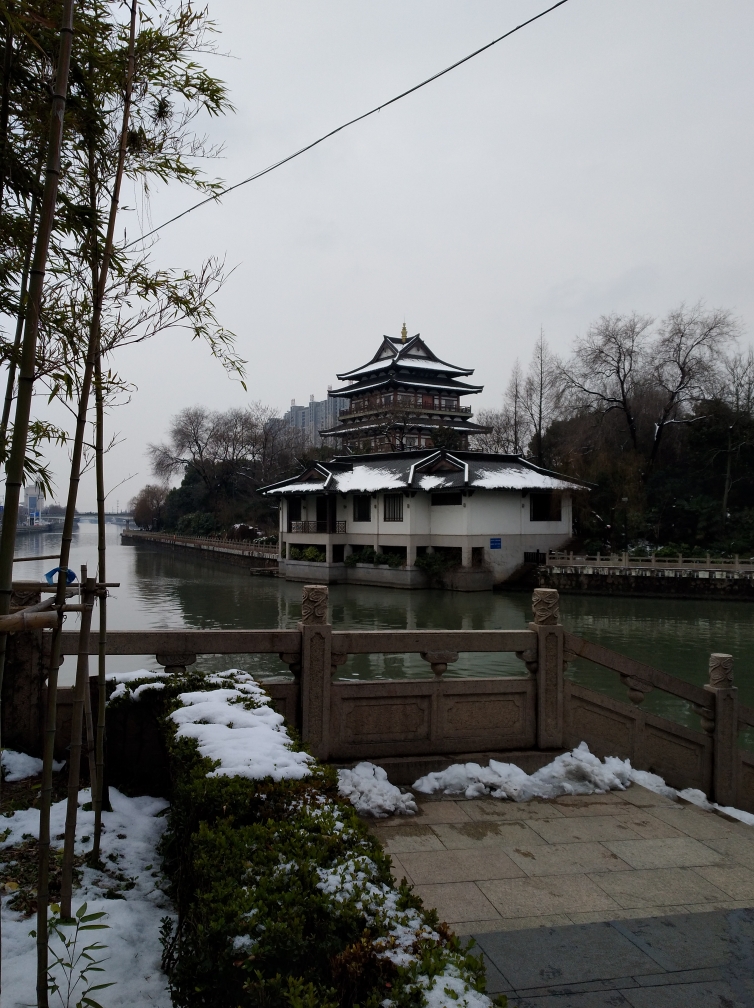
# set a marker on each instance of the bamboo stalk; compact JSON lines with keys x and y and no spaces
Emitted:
{"x":90,"y":739}
{"x":74,"y":758}
{"x":73,"y":484}
{"x":14,"y":470}
{"x":28,"y":621}
{"x":13,"y":361}
{"x":100,"y":799}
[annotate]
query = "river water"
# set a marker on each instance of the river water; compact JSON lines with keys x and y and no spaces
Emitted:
{"x":160,"y":589}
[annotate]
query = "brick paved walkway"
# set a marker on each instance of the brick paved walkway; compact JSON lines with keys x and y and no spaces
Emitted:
{"x":622,"y":899}
{"x":491,"y":865}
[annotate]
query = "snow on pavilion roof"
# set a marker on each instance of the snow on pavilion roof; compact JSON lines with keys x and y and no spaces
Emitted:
{"x":430,"y":470}
{"x":414,"y":353}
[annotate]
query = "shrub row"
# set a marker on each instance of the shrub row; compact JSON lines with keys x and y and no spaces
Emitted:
{"x":284,"y":898}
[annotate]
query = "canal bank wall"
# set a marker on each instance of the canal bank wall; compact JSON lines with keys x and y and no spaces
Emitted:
{"x":255,"y":559}
{"x":645,"y":582}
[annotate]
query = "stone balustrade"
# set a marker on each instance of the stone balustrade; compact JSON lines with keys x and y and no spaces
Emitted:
{"x":412,"y":725}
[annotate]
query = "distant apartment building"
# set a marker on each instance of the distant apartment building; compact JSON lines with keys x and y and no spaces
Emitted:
{"x":316,"y":416}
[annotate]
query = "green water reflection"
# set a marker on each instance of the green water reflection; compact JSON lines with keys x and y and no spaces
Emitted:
{"x":162,"y":589}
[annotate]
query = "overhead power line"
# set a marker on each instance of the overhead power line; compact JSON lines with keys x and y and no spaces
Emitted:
{"x":265,"y":171}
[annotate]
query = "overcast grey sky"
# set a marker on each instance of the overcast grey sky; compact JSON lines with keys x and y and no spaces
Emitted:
{"x":597,"y":161}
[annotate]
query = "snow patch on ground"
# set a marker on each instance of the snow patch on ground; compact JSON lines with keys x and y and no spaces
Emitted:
{"x":371,"y":793}
{"x":235,"y":726}
{"x":574,"y":773}
{"x":19,"y":766}
{"x":699,"y":798}
{"x":130,"y":836}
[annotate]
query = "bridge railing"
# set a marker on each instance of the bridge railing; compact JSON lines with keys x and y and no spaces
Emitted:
{"x":563,"y":558}
{"x":540,"y":712}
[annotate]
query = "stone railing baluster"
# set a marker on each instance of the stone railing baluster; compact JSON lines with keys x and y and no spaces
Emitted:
{"x":175,"y":663}
{"x":725,"y":729}
{"x":439,"y":660}
{"x":316,"y":670}
{"x":549,"y":631}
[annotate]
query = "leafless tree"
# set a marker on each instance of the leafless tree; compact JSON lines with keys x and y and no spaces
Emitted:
{"x":240,"y":447}
{"x":147,"y":505}
{"x":685,"y":360}
{"x":608,"y":366}
{"x":541,"y":395}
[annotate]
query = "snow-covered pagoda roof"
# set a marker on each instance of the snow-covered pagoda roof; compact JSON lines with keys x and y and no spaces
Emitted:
{"x":408,"y":362}
{"x":430,"y":470}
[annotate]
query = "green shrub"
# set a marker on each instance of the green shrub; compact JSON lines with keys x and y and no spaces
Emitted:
{"x":434,"y":566}
{"x":199,"y":523}
{"x":314,"y":554}
{"x":351,"y":560}
{"x":284,"y":898}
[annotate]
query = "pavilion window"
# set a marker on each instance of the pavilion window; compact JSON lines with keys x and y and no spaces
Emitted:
{"x":393,"y":507}
{"x":362,"y":508}
{"x":294,"y":509}
{"x":545,"y":506}
{"x":440,"y":499}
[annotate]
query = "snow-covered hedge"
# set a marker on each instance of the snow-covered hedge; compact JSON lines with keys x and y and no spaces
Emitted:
{"x":284,"y":898}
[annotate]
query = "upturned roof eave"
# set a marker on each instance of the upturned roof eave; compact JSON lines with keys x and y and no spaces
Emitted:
{"x":462,"y":426}
{"x":399,"y":351}
{"x":450,"y":386}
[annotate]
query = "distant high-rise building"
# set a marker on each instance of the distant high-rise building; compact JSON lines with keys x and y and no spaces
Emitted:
{"x":316,"y":416}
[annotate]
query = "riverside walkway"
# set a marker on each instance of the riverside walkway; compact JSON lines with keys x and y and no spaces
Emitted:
{"x":618,"y":899}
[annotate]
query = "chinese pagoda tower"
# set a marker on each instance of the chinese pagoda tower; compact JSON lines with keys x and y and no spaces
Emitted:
{"x":404,"y":398}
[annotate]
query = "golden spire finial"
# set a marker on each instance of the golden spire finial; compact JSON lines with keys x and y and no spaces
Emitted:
{"x":404,"y":333}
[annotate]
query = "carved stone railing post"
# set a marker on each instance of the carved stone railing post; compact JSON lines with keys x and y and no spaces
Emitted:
{"x":439,"y":660}
{"x":550,"y":662}
{"x":725,"y":734}
{"x":316,"y":670}
{"x":175,"y":663}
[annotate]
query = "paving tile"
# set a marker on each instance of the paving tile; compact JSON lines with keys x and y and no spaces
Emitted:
{"x":514,"y":924}
{"x":565,"y":955}
{"x":674,"y":852}
{"x":634,"y":913}
{"x":597,"y":999}
{"x":680,"y":977}
{"x":486,"y":809}
{"x":736,"y":848}
{"x":431,"y":811}
{"x":696,"y":824}
{"x":598,"y":827}
{"x":610,"y":803}
{"x":407,"y":838}
{"x":457,"y":901}
{"x":654,"y":887}
{"x":644,"y":798}
{"x":430,"y":867}
{"x":692,"y":941}
{"x":456,"y":836}
{"x":397,"y":870}
{"x":563,"y":990}
{"x":713,"y":994}
{"x":734,"y":880}
{"x":648,"y":825}
{"x":550,"y":894}
{"x":565,"y":859}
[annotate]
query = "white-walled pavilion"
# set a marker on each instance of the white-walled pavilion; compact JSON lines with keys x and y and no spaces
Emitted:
{"x":483,"y":512}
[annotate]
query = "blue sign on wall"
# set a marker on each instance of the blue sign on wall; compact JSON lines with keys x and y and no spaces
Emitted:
{"x":496,"y":543}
